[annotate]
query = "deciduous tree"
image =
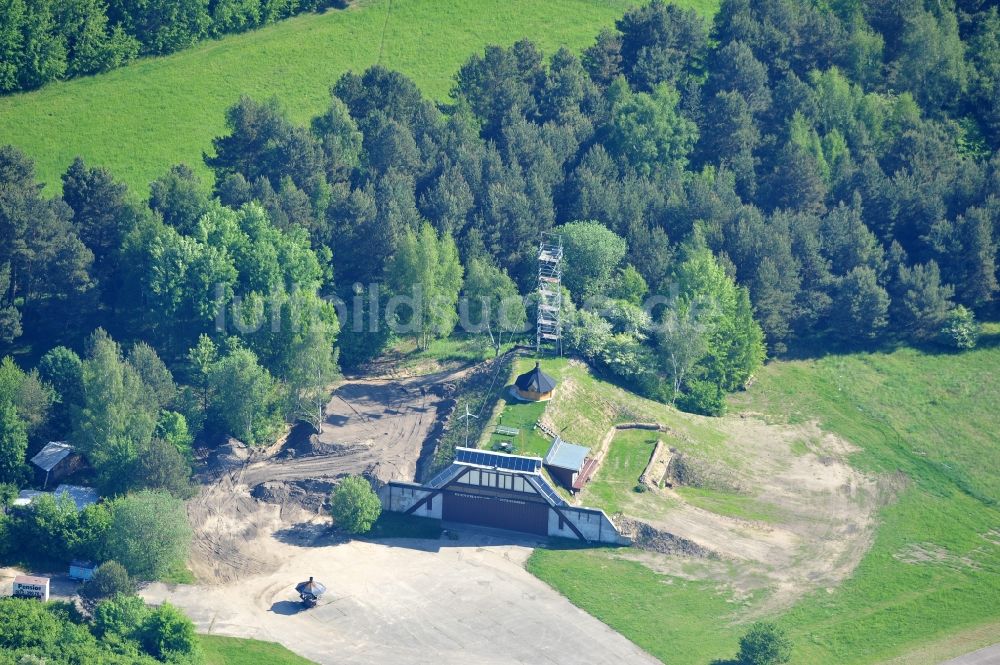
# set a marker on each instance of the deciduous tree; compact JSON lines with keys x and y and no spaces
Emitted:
{"x":592,"y":252}
{"x":354,"y":505}
{"x":491,"y":302}
{"x":149,"y":533}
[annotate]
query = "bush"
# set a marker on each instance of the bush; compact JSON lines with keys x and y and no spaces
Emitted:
{"x":167,"y":633}
{"x":764,"y":644}
{"x":124,"y":632}
{"x":110,"y":579}
{"x":51,"y":531}
{"x":122,"y":616}
{"x":960,"y":330}
{"x":702,"y":397}
{"x":354,"y":505}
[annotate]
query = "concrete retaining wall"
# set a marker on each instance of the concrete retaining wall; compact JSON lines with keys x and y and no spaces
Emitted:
{"x":400,"y":497}
{"x":595,"y":525}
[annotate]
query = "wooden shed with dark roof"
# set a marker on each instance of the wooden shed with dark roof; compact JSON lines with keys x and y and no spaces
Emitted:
{"x":56,"y":460}
{"x":535,"y":385}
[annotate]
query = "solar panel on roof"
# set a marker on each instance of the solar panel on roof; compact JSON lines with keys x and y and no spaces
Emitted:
{"x":546,"y":490}
{"x":444,"y":476}
{"x":497,"y":460}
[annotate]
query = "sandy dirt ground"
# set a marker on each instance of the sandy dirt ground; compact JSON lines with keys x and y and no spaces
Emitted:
{"x":61,"y":587}
{"x":437,"y":602}
{"x":824,"y":515}
{"x":378,"y":427}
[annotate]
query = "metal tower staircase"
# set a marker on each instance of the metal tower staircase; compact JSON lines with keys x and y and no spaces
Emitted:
{"x":549,"y":330}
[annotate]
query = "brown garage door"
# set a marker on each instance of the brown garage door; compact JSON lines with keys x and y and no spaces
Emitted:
{"x":496,"y":512}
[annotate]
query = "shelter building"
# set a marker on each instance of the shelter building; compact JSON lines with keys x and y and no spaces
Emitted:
{"x":25,"y":497}
{"x":535,"y":385}
{"x":82,"y":496}
{"x":82,"y":570}
{"x":56,"y":460}
{"x":569,"y":464}
{"x":501,"y":491}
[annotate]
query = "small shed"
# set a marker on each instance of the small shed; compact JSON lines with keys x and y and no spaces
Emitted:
{"x":535,"y":385}
{"x":57,"y":460}
{"x":30,"y":586}
{"x":82,"y":570}
{"x":568,"y":463}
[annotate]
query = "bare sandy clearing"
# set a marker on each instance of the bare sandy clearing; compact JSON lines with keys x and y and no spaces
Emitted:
{"x":823,"y":512}
{"x":378,"y":427}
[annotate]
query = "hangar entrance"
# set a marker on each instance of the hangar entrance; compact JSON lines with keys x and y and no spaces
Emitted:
{"x":497,"y":512}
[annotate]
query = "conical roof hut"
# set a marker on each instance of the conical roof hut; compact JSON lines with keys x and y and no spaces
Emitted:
{"x":535,"y":385}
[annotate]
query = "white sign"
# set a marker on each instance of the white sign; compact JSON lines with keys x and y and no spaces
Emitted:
{"x":24,"y":589}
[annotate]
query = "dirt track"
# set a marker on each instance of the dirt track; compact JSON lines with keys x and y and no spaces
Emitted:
{"x":378,"y":427}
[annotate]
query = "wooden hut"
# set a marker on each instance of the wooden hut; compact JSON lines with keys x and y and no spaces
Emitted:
{"x":535,"y":385}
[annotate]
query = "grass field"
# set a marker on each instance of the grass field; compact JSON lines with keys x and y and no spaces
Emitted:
{"x":933,"y":572}
{"x":728,"y":503}
{"x":522,"y":416}
{"x":141,"y":119}
{"x":675,"y":620}
{"x":233,"y":651}
{"x":614,"y":486}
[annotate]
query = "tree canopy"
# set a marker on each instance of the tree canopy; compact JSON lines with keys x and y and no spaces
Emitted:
{"x":354,"y":505}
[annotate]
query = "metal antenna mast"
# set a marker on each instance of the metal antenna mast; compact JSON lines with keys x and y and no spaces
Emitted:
{"x":549,"y":329}
{"x":468,"y":414}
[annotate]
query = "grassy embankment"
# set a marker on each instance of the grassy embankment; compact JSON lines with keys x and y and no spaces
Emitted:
{"x":931,"y":580}
{"x":233,"y":651}
{"x":139,"y":120}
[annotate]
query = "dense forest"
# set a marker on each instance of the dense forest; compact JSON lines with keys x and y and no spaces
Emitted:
{"x":794,"y":176}
{"x":46,"y":40}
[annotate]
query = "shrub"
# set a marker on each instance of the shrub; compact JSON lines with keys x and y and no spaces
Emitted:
{"x":110,"y":579}
{"x":122,"y":615}
{"x":764,"y":644}
{"x":354,"y":505}
{"x":960,"y":330}
{"x":167,"y":633}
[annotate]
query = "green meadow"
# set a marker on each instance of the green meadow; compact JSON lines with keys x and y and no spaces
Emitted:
{"x":141,"y":119}
{"x":220,"y":650}
{"x":931,"y":580}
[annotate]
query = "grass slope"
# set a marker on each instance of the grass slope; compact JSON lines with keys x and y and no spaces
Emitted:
{"x":933,"y":573}
{"x":233,"y":651}
{"x":141,"y":119}
{"x":677,"y":621}
{"x":615,"y":484}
